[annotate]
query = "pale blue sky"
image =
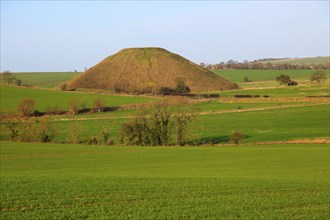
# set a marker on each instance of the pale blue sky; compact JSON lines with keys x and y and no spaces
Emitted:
{"x":64,"y":36}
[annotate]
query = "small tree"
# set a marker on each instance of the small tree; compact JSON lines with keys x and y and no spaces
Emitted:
{"x":74,"y":106}
{"x":181,"y":87}
{"x":99,"y":104}
{"x":246,"y":79}
{"x":26,"y":107}
{"x":83,"y":103}
{"x":18,"y":82}
{"x":9,"y":124}
{"x":236,"y":137}
{"x":283,"y":79}
{"x":317,"y":77}
{"x":8,"y":77}
{"x":182,"y":118}
{"x":75,"y":133}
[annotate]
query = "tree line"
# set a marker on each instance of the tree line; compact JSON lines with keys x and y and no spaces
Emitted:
{"x":233,"y":64}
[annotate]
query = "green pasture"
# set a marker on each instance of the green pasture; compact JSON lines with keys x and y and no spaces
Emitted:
{"x":281,"y":124}
{"x":45,"y":79}
{"x":265,"y":75}
{"x":54,"y":181}
{"x":281,"y":91}
{"x":12,"y":96}
{"x":304,"y":61}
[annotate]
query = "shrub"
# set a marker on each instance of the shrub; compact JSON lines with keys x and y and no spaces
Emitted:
{"x":99,"y":104}
{"x":92,"y":140}
{"x":246,"y":79}
{"x":317,"y":77}
{"x":283,"y":79}
{"x":75,"y":133}
{"x":181,"y":87}
{"x":73,"y":106}
{"x":53,"y":110}
{"x":236,"y":137}
{"x":292,"y":83}
{"x":18,"y":82}
{"x":26,"y":107}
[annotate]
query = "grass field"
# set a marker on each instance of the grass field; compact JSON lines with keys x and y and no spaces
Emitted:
{"x":280,"y":124}
{"x":250,"y":181}
{"x":69,"y":181}
{"x":265,"y":75}
{"x":12,"y":96}
{"x":304,"y":61}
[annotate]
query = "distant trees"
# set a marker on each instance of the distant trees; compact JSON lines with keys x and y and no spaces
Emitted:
{"x":286,"y":80}
{"x":26,"y":107}
{"x":283,"y":79}
{"x":9,"y":78}
{"x":317,"y":77}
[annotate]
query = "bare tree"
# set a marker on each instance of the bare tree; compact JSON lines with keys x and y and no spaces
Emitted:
{"x":26,"y":107}
{"x":99,"y":104}
{"x":74,"y":106}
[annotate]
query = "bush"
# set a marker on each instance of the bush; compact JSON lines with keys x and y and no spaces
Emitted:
{"x":75,"y":133}
{"x":246,"y":79}
{"x":92,"y":140}
{"x":18,"y":82}
{"x":317,"y":77}
{"x":236,"y":137}
{"x":73,"y":106}
{"x":99,"y":104}
{"x":26,"y":107}
{"x":181,"y":87}
{"x":292,"y":83}
{"x":283,"y":79}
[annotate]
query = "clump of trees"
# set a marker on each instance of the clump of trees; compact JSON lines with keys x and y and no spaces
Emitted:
{"x":9,"y":78}
{"x":156,"y":127}
{"x":181,"y":88}
{"x":317,"y":77}
{"x":16,"y":128}
{"x":286,"y":80}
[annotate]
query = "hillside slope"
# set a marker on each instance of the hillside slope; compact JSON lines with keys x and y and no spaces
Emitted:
{"x":146,"y":70}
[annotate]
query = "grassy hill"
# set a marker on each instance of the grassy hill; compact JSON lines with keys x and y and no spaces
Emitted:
{"x":147,"y":70}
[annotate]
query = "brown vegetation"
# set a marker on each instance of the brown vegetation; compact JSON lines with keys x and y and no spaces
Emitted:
{"x":146,"y":70}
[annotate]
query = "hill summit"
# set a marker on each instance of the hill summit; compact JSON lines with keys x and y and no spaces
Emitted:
{"x":145,"y":70}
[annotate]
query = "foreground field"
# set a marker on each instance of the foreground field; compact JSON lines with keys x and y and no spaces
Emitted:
{"x":69,"y":181}
{"x":12,"y":96}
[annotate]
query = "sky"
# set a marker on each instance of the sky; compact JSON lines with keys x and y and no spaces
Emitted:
{"x":71,"y":35}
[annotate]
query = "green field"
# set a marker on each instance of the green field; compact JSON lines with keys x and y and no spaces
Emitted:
{"x":303,"y":61}
{"x":265,"y":75}
{"x":45,"y":79}
{"x":280,"y":124}
{"x":69,"y":181}
{"x":254,"y":180}
{"x":12,"y":96}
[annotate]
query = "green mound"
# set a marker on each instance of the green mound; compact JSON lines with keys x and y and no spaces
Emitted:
{"x":148,"y":70}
